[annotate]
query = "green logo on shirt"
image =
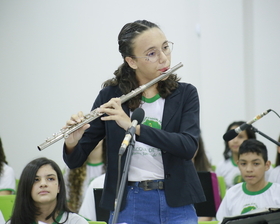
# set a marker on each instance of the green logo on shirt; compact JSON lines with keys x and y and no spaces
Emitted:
{"x":248,"y":209}
{"x":152,"y":122}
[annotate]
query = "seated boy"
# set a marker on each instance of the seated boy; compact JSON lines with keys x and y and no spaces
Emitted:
{"x":255,"y":192}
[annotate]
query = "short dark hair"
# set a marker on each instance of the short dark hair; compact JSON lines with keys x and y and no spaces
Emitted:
{"x":253,"y":146}
{"x":25,"y":209}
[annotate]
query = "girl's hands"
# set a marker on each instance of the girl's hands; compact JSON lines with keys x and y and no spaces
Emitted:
{"x":115,"y":112}
{"x":75,"y":136}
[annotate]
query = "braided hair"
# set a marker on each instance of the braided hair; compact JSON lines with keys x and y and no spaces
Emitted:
{"x":125,"y":76}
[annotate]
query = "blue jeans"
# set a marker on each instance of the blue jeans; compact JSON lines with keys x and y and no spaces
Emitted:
{"x":150,"y":207}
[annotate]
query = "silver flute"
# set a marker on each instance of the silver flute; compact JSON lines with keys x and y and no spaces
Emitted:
{"x":65,"y":132}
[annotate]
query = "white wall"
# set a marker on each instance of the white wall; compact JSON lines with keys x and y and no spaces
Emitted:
{"x":54,"y":56}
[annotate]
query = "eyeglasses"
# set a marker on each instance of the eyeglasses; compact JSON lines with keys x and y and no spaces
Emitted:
{"x":154,"y":53}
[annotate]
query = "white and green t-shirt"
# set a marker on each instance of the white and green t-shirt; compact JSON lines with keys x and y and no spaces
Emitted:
{"x":239,"y":200}
{"x":146,"y":161}
{"x":73,"y":218}
{"x":230,"y":171}
{"x":274,"y":176}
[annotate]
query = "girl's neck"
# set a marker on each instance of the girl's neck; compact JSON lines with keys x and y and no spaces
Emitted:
{"x":235,"y":157}
{"x":150,"y":92}
{"x":45,"y":210}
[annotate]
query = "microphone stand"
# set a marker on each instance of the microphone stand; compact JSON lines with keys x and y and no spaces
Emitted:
{"x":264,"y":135}
{"x":118,"y":200}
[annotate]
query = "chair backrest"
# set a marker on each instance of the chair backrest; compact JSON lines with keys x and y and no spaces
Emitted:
{"x":216,"y":191}
{"x":7,"y":205}
{"x":210,"y":187}
{"x":222,"y":186}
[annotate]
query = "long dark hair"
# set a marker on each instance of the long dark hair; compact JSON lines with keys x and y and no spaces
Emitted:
{"x":2,"y":157}
{"x":25,"y":209}
{"x":125,"y":76}
{"x":249,"y":132}
{"x":201,"y":161}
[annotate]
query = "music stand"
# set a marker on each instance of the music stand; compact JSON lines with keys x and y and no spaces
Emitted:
{"x":271,"y":216}
{"x":263,"y":134}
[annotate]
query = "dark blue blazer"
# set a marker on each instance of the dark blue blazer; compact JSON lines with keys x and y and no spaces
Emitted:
{"x":177,"y":139}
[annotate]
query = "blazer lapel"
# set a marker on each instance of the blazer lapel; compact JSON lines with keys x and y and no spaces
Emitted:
{"x":171,"y":103}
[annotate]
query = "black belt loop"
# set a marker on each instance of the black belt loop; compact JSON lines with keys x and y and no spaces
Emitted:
{"x":148,"y":184}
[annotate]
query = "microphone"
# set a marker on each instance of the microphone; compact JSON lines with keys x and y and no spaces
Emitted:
{"x":137,"y":117}
{"x":231,"y":134}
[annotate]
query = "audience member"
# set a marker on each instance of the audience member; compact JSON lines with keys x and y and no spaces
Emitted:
{"x":7,"y":174}
{"x":77,"y":180}
{"x":275,"y":172}
{"x":41,"y":196}
{"x":255,"y":192}
{"x":228,"y":168}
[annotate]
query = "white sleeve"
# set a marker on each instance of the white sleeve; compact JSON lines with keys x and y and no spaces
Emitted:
{"x":274,"y":175}
{"x":218,"y":168}
{"x":73,"y":218}
{"x":2,"y":220}
{"x":87,"y":209}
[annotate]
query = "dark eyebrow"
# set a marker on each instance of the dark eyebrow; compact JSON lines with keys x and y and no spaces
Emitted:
{"x":49,"y":175}
{"x":242,"y":160}
{"x":150,"y":48}
{"x":254,"y":160}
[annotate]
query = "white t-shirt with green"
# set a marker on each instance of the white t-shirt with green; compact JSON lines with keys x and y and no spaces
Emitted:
{"x":239,"y":200}
{"x":146,"y":161}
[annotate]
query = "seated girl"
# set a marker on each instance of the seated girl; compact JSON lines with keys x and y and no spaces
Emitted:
{"x":41,"y":196}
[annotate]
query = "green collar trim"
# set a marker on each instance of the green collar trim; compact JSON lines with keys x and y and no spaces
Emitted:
{"x":246,"y":191}
{"x":8,"y":189}
{"x":151,"y":100}
{"x":94,"y":164}
{"x":232,"y":161}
